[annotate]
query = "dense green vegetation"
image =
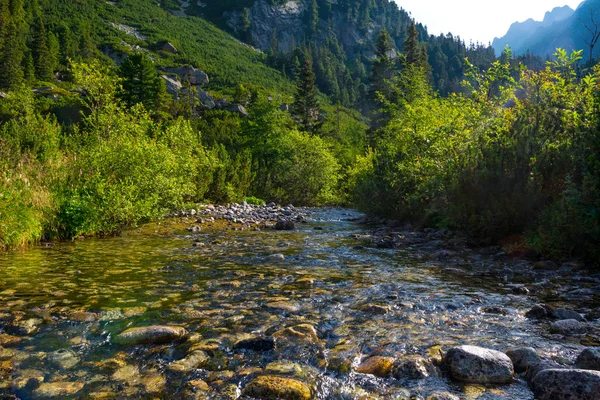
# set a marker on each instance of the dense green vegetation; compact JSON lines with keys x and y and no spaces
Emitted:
{"x":99,"y":145}
{"x":514,"y":156}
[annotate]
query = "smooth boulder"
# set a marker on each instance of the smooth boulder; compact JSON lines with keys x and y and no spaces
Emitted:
{"x":567,"y":384}
{"x":567,"y":327}
{"x":157,"y":334}
{"x":523,"y":358}
{"x":589,"y":359}
{"x":474,"y":364}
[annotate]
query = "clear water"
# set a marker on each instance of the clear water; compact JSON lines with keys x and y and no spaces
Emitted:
{"x":225,"y":288}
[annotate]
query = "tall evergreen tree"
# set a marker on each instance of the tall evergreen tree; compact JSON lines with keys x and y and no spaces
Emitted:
{"x":411,"y":46}
{"x":11,"y":58}
{"x":141,"y":83}
{"x":42,"y":58}
{"x":306,"y":103}
{"x":382,"y":70}
{"x":313,"y":17}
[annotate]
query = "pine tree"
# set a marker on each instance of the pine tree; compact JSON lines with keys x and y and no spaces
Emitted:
{"x":28,"y":68}
{"x":11,"y":58}
{"x":411,"y":46}
{"x":141,"y":83}
{"x":306,"y":104}
{"x":274,"y":42}
{"x":383,"y":69}
{"x":245,"y":25}
{"x":313,"y":18}
{"x":42,"y":57}
{"x":4,"y":19}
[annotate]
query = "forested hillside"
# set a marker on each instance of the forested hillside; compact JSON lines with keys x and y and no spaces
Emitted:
{"x":115,"y":113}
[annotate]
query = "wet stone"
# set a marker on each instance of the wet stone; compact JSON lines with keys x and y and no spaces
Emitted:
{"x":64,"y":358}
{"x":567,"y":384}
{"x":151,"y":335}
{"x":523,"y":358}
{"x":540,"y":311}
{"x":81,"y":316}
{"x":9,"y":340}
{"x":303,"y":333}
{"x":256,"y":344}
{"x":415,"y":367}
{"x":196,"y":359}
{"x":25,"y":327}
{"x":57,"y":389}
{"x":377,"y":365}
{"x":276,"y":387}
{"x":561,"y":313}
{"x":479,"y":365}
{"x":568,"y":327}
{"x":442,"y":396}
{"x":589,"y":359}
{"x":375,"y":309}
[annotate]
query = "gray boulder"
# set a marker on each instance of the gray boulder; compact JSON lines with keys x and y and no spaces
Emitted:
{"x":173,"y":85}
{"x":523,"y":358}
{"x":195,"y":76}
{"x":589,"y":359}
{"x":206,"y":100}
{"x":544,"y":365}
{"x":169,"y":48}
{"x":284,"y":225}
{"x":151,"y":335}
{"x":561,"y":314}
{"x":567,"y":384}
{"x":567,"y":327}
{"x":474,"y":364}
{"x":239,"y":109}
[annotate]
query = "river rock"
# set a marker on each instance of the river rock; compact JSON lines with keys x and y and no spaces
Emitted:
{"x":285,"y":225}
{"x":196,"y":359}
{"x":523,"y":358}
{"x":442,"y":396}
{"x":542,"y":366}
{"x":540,"y":311}
{"x":256,"y":344}
{"x":561,"y":313}
{"x":9,"y":341}
{"x":57,"y":389}
{"x":377,"y":365}
{"x":567,"y":327}
{"x":276,"y":387}
{"x":151,"y":335}
{"x":414,"y":367}
{"x":25,"y":327}
{"x":64,"y":358}
{"x":589,"y":359}
{"x":474,"y":364}
{"x":567,"y":384}
{"x":303,"y":333}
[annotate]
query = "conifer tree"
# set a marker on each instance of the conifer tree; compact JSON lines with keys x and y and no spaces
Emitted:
{"x":313,"y":18}
{"x":42,"y":58}
{"x":382,"y":70}
{"x":28,"y":68}
{"x":11,"y":58}
{"x":306,"y":103}
{"x":411,"y":46}
{"x":141,"y":83}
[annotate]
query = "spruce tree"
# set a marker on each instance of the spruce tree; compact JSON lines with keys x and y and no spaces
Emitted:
{"x":306,"y":103}
{"x":141,"y":83}
{"x":42,"y":58}
{"x":411,"y":46}
{"x":382,"y":70}
{"x":11,"y":58}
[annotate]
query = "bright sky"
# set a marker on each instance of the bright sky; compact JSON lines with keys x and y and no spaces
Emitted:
{"x":480,"y":20}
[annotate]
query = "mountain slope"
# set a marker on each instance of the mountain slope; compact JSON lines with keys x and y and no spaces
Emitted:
{"x":560,"y":28}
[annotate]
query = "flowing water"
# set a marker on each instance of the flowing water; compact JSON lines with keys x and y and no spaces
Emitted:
{"x":62,"y":306}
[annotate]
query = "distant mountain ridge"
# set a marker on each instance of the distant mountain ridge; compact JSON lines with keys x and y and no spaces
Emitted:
{"x":520,"y":34}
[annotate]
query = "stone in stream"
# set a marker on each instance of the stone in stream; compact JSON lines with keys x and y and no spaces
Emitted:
{"x":567,"y":384}
{"x":589,"y":359}
{"x":377,"y":365}
{"x":9,"y":341}
{"x":474,"y":364}
{"x":523,"y":358}
{"x":561,"y":313}
{"x":540,"y":311}
{"x":57,"y":389}
{"x":196,"y":359}
{"x":284,"y":225}
{"x":442,"y":396}
{"x":303,"y":333}
{"x":544,"y":365}
{"x":414,"y":367}
{"x":276,"y":387}
{"x":157,"y":334}
{"x":64,"y":358}
{"x":568,"y":327}
{"x":25,"y":327}
{"x":256,"y":344}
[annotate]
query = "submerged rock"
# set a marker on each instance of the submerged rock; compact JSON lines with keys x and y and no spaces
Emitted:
{"x":196,"y":359}
{"x":284,"y":225}
{"x":523,"y":358}
{"x":442,"y":396}
{"x":256,"y":344}
{"x":589,"y":359}
{"x":414,"y":367}
{"x":303,"y":333}
{"x":474,"y":364}
{"x":276,"y":387}
{"x":64,"y":358}
{"x":567,"y":384}
{"x":57,"y":389}
{"x":377,"y":365}
{"x":151,"y":335}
